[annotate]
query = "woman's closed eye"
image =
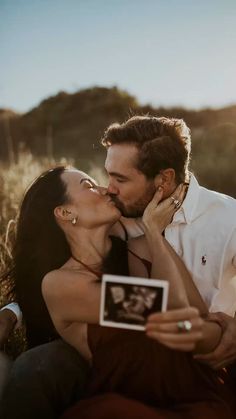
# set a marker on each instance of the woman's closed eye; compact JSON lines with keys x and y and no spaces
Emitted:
{"x":89,"y":184}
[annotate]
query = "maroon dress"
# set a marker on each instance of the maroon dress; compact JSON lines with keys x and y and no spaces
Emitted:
{"x":135,"y":377}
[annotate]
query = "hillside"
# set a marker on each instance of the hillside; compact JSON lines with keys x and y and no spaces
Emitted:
{"x":70,"y":125}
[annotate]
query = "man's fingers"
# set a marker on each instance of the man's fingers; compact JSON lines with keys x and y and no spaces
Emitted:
{"x":218,"y":358}
{"x":225,"y":352}
{"x":221,"y":318}
{"x":216,"y":365}
{"x":215,"y":356}
{"x":219,"y":365}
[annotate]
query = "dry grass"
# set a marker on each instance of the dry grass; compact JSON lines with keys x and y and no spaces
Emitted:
{"x":14,"y":180}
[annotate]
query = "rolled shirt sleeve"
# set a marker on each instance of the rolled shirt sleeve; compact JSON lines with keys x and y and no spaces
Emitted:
{"x":14,"y":307}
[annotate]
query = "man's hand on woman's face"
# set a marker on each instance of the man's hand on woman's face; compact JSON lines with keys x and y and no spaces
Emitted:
{"x":225,"y":352}
{"x":165,"y":327}
{"x":158,"y":214}
{"x":7,"y":322}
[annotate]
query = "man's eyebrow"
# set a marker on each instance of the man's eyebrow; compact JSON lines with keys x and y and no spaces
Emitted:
{"x":118,"y":175}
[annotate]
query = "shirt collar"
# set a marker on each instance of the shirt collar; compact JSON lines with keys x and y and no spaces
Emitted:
{"x":190,"y":202}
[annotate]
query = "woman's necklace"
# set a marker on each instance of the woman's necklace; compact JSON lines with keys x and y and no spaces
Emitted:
{"x":97,"y":273}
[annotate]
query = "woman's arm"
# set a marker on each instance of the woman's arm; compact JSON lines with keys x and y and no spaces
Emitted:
{"x":164,"y":267}
{"x":71,"y":297}
{"x":194,"y":297}
{"x":204,"y":335}
{"x":183,"y":292}
{"x":155,"y":218}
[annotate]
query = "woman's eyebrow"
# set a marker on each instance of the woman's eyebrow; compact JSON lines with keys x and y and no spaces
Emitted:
{"x":88,"y":180}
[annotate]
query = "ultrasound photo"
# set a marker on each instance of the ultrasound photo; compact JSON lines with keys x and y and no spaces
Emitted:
{"x":126,"y":302}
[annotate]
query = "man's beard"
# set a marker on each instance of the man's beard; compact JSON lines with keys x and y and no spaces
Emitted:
{"x":136,"y":209}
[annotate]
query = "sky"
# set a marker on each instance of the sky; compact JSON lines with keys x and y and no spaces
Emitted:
{"x":164,"y":52}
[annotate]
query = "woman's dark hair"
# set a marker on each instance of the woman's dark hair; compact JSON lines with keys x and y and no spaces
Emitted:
{"x":40,"y":247}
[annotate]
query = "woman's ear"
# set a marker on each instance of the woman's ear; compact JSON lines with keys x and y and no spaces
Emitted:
{"x":62,"y":214}
{"x":166,"y":180}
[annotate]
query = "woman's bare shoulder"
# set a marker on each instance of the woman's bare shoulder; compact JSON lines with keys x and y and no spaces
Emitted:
{"x":57,"y":274}
{"x":57,"y":281}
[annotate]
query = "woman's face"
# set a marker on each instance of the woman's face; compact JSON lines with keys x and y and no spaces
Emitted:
{"x":88,"y":201}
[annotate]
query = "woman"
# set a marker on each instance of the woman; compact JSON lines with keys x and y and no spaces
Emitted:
{"x":71,"y":246}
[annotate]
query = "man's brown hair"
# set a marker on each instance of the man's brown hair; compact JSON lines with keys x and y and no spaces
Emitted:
{"x":162,"y":142}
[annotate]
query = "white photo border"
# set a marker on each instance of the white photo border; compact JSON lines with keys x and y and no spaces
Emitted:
{"x":130,"y":280}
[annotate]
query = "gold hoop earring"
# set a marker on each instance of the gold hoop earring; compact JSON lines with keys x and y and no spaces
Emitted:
{"x":74,"y":221}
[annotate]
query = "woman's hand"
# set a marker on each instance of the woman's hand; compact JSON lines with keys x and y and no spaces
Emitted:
{"x":178,"y":329}
{"x":158,"y":214}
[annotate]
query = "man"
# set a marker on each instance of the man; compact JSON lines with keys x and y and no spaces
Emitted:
{"x":142,"y":154}
{"x":146,"y":152}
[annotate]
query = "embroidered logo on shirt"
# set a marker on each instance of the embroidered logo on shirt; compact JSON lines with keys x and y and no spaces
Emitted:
{"x":204,"y":260}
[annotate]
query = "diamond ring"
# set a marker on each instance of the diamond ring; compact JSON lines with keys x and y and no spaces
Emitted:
{"x":184,"y":326}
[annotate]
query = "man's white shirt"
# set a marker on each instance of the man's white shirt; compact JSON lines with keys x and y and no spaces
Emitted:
{"x":14,"y":307}
{"x":203,"y":234}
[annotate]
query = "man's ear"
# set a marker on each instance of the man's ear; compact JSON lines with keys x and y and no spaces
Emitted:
{"x":62,"y":214}
{"x":165,"y":179}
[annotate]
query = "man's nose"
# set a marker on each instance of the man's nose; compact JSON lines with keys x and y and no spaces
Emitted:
{"x":103,"y":190}
{"x":112,"y":189}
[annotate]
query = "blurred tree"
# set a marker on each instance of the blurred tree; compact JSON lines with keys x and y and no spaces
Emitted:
{"x":71,"y":125}
{"x":214,"y":157}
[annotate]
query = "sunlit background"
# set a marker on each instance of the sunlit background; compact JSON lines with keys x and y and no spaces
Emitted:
{"x":165,"y":52}
{"x":69,"y":68}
